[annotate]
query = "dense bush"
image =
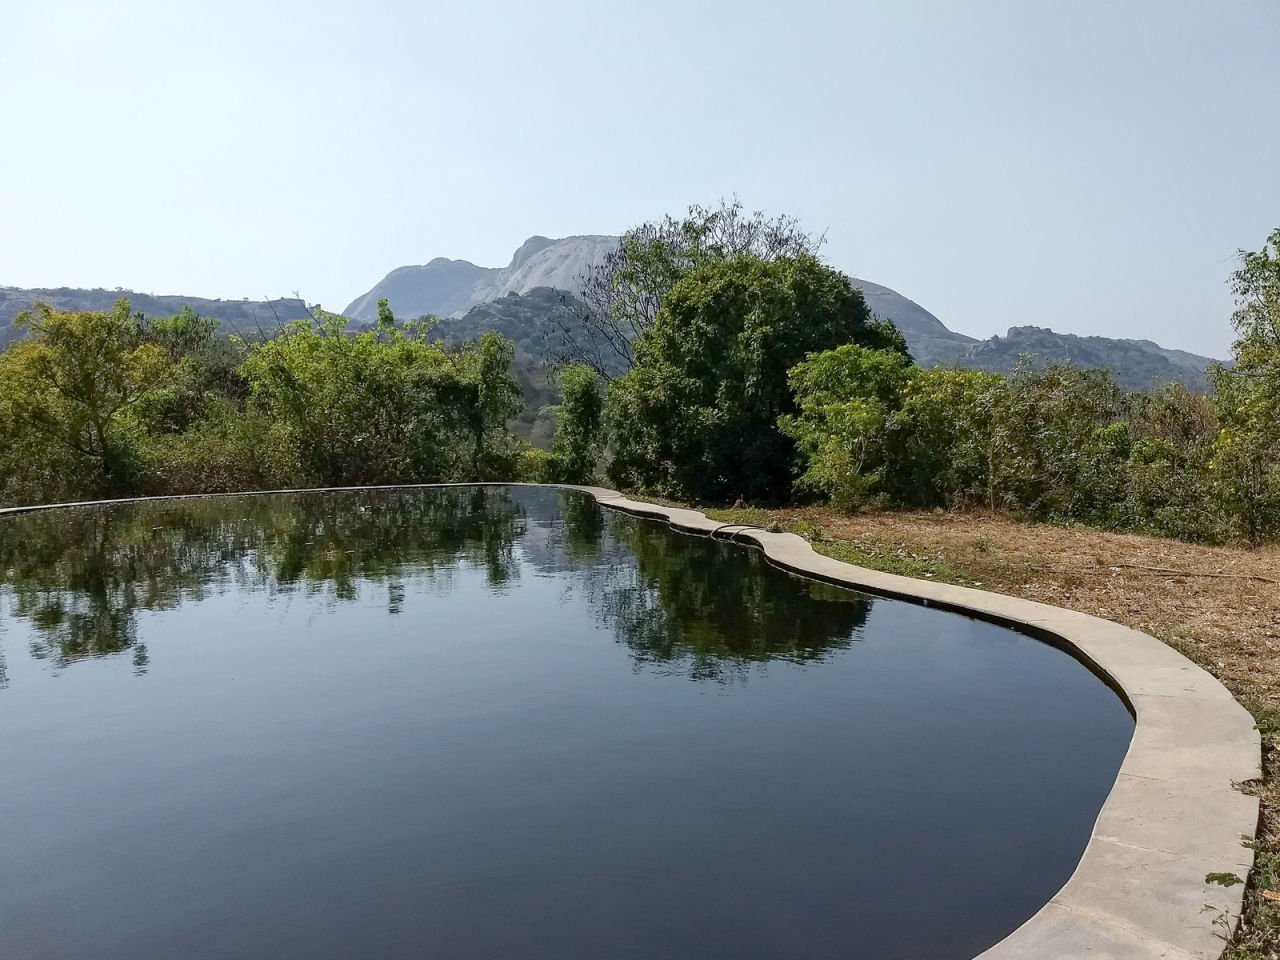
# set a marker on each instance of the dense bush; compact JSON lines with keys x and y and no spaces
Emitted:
{"x":1246,"y":458}
{"x":846,"y":398}
{"x":1169,"y":483}
{"x":697,"y":414}
{"x":70,"y":393}
{"x":1246,"y":454}
{"x":579,"y":435}
{"x":756,"y":371}
{"x":108,"y":403}
{"x":944,"y":439}
{"x":1059,"y":444}
{"x":230,"y":449}
{"x":1060,"y":438}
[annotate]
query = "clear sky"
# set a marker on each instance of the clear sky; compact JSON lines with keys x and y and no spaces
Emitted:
{"x":1088,"y":166}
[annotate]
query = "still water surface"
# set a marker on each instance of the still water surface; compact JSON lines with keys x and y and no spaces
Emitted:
{"x":485,"y":722}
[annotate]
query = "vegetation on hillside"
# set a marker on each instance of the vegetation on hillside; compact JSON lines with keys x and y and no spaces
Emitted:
{"x":1135,"y":364}
{"x":243,"y":317}
{"x":696,"y":416}
{"x":715,"y":358}
{"x":108,"y":403}
{"x":529,"y":321}
{"x":1059,"y":444}
{"x":703,"y":414}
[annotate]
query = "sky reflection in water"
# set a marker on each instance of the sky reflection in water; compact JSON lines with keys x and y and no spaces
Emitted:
{"x":482,"y":721}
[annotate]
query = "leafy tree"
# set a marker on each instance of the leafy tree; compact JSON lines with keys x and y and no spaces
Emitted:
{"x":942,"y":437}
{"x":1058,"y":443}
{"x":623,"y":293}
{"x":485,"y":398}
{"x":1246,"y":460}
{"x":350,"y":407}
{"x":71,"y":389}
{"x":528,"y":320}
{"x":845,"y":397}
{"x":1245,"y":463}
{"x":873,"y":427}
{"x":357,"y":409}
{"x":1169,"y":487}
{"x":203,"y":373}
{"x":1256,"y":285}
{"x":1061,"y":444}
{"x":579,"y":426}
{"x":387,"y":405}
{"x":697,"y":416}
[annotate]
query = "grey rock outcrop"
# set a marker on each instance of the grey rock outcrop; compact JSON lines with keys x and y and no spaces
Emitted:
{"x":448,"y":288}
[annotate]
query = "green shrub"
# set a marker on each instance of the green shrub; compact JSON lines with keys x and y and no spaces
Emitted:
{"x":845,"y":398}
{"x":107,"y":403}
{"x":387,"y":405}
{"x":943,"y":440}
{"x":232,"y":450}
{"x":1170,"y":490}
{"x":535,"y":466}
{"x":697,"y":415}
{"x":579,"y":436}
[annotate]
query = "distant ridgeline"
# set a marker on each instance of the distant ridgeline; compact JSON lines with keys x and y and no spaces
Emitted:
{"x":522,"y":300}
{"x":529,"y":320}
{"x":245,"y":317}
{"x":1136,"y":364}
{"x":515,"y":301}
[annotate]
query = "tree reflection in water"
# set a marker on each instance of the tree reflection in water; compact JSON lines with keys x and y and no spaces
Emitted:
{"x":708,"y":609}
{"x":80,"y":577}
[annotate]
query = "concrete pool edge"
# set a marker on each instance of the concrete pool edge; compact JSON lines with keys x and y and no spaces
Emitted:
{"x":1174,"y":815}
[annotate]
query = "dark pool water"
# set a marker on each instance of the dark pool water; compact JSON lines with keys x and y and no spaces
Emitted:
{"x":492,"y":723}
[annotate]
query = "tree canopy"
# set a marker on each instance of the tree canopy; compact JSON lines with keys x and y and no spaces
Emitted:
{"x":623,"y":293}
{"x":70,"y":388}
{"x":697,"y":414}
{"x":96,"y":403}
{"x":742,"y":368}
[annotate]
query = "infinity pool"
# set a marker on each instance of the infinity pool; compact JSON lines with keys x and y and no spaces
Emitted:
{"x":507,"y":723}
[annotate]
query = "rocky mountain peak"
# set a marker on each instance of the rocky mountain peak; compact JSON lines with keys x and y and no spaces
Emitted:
{"x":529,"y":248}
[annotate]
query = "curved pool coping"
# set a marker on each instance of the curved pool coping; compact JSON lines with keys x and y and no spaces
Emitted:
{"x":1175,"y":814}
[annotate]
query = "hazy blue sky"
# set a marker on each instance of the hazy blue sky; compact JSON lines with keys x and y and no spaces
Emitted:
{"x":1089,"y":166}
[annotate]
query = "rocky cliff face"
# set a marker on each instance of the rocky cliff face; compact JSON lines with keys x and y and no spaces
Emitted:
{"x":442,"y":287}
{"x":448,"y":288}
